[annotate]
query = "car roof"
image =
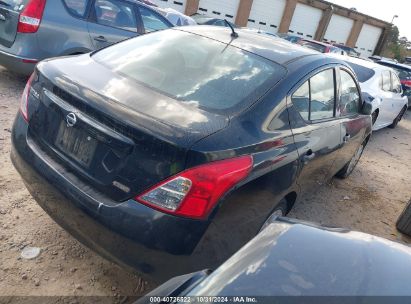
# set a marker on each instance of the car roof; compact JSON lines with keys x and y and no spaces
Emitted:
{"x":273,"y":48}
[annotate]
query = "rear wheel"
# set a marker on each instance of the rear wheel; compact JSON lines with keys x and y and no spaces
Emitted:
{"x":397,"y":119}
{"x":281,"y":209}
{"x":350,"y":166}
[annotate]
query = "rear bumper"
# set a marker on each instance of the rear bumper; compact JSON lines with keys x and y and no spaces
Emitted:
{"x":17,"y":64}
{"x":155,"y":245}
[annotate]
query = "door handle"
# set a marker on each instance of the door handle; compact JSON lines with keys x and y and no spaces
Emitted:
{"x":100,"y":39}
{"x":309,"y":156}
{"x":347,"y":138}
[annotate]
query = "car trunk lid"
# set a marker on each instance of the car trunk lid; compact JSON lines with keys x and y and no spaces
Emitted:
{"x":120,"y":136}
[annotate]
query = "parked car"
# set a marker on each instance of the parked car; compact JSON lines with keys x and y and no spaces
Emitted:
{"x":376,"y":58}
{"x":349,"y":50}
{"x":169,"y":151}
{"x":291,"y":38}
{"x":175,"y":17}
{"x":33,"y":30}
{"x":298,"y":262}
{"x":383,"y":91}
{"x":404,"y":72}
{"x":264,"y":33}
{"x":201,"y":19}
{"x":321,"y":47}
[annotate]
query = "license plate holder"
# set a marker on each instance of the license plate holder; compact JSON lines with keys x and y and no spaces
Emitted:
{"x":76,"y":143}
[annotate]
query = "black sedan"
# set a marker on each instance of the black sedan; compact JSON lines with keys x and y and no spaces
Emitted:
{"x":168,"y":152}
{"x":298,"y":262}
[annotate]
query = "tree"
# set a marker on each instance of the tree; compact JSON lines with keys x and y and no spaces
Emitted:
{"x":398,"y":47}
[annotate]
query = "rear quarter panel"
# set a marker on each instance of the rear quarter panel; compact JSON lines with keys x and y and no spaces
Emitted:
{"x":61,"y":33}
{"x":263,"y":132}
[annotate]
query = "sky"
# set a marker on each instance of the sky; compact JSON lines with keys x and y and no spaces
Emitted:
{"x":385,"y":10}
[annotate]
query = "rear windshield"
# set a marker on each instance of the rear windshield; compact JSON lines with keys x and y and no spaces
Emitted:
{"x":314,"y":46}
{"x":193,"y":69}
{"x":16,"y":5}
{"x":363,"y":74}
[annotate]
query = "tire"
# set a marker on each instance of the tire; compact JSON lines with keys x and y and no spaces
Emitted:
{"x":397,"y":119}
{"x":280,"y":210}
{"x":404,"y":221}
{"x":350,"y":166}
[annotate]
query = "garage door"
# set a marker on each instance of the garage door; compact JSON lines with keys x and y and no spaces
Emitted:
{"x":305,"y":21}
{"x":179,"y":5}
{"x":368,"y":40}
{"x":339,"y":29}
{"x":266,"y":15}
{"x":219,"y":9}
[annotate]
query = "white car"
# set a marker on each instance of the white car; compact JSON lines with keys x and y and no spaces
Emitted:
{"x":381,"y":88}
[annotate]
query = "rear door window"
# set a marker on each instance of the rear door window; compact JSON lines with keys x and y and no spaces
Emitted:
{"x":301,"y":100}
{"x":118,"y":14}
{"x":386,"y":81}
{"x":350,"y":96}
{"x":322,"y":95}
{"x":77,"y":8}
{"x":396,"y":83}
{"x":315,"y":99}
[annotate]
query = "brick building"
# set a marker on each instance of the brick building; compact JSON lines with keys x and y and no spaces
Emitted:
{"x":314,"y":19}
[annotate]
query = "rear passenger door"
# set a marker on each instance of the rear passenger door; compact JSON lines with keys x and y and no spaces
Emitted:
{"x":318,"y":133}
{"x":111,"y":21}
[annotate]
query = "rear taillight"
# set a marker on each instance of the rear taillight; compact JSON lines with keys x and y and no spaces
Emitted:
{"x":24,"y":104}
{"x":195,"y":192}
{"x":30,"y":17}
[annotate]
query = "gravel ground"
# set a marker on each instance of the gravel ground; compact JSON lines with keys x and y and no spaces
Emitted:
{"x":369,"y":201}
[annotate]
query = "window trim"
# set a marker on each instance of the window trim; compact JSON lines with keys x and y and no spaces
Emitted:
{"x":342,"y":68}
{"x":308,"y":78}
